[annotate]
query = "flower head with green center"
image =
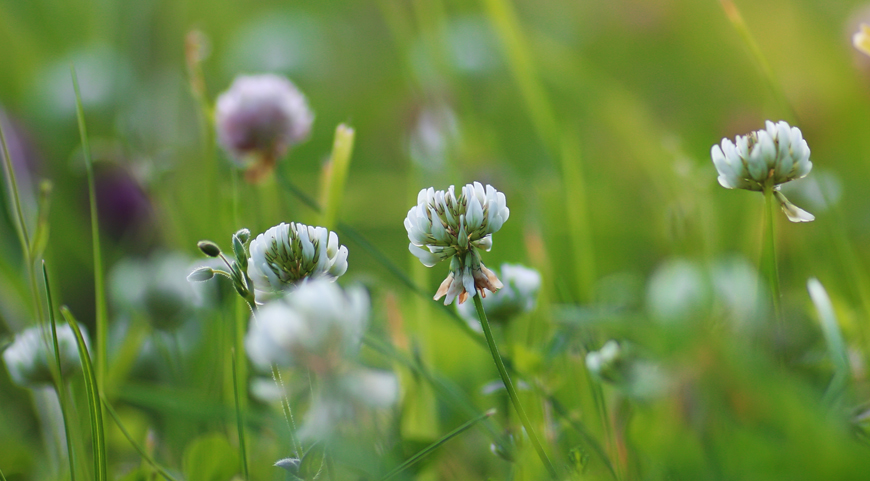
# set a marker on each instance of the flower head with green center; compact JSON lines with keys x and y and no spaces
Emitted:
{"x":288,"y":253}
{"x":442,"y":226}
{"x":763,"y":160}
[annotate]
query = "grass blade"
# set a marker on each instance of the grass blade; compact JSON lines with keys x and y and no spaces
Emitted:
{"x":335,"y":174}
{"x":21,"y":226}
{"x":94,"y":404}
{"x":240,"y":421}
{"x":60,"y":383}
{"x":148,"y":459}
{"x":833,"y":338}
{"x":99,"y":283}
{"x":432,"y":447}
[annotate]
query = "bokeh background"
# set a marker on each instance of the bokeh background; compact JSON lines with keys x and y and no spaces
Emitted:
{"x":595,"y":119}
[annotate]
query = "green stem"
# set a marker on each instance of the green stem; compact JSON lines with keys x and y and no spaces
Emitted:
{"x":509,"y":385}
{"x":768,"y":257}
{"x":240,"y":421}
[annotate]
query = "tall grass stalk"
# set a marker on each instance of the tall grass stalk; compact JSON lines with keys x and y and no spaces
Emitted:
{"x":520,"y":60}
{"x":240,"y":421}
{"x":432,"y":447}
{"x":94,"y":401}
{"x":509,"y":385}
{"x":60,"y":382}
{"x":768,"y":256}
{"x":21,"y":227}
{"x":102,"y":321}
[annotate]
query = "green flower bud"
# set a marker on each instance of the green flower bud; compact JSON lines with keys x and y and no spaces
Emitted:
{"x":201,"y":275}
{"x":209,"y":248}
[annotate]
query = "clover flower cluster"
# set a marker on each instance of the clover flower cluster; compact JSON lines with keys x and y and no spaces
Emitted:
{"x":259,"y":118}
{"x":319,"y":326}
{"x":288,"y":253}
{"x":442,"y":226}
{"x":31,"y":353}
{"x":763,"y":160}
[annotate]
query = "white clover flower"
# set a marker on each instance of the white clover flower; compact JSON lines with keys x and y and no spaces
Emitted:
{"x":259,"y":118}
{"x":316,"y":325}
{"x":442,"y":226}
{"x":288,"y":253}
{"x":763,"y":160}
{"x":520,"y":291}
{"x":319,"y":326}
{"x":29,"y":355}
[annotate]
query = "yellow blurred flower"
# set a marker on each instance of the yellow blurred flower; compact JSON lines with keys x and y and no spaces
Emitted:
{"x":862,"y":39}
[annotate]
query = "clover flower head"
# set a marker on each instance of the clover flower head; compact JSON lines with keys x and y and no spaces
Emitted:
{"x":288,"y":253}
{"x":442,"y":226}
{"x":29,"y":355}
{"x":520,"y":291}
{"x":317,"y":325}
{"x":861,"y":40}
{"x":763,"y":160}
{"x":259,"y":118}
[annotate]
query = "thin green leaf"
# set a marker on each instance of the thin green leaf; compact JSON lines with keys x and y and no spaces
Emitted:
{"x":148,"y":459}
{"x":21,"y":226}
{"x":60,"y":383}
{"x":99,"y":281}
{"x":99,"y":440}
{"x":432,"y":447}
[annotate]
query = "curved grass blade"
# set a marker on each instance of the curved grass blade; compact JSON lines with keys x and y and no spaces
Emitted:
{"x":60,"y":383}
{"x":2,"y":478}
{"x":432,"y":447}
{"x":94,"y":404}
{"x":834,"y":340}
{"x":99,"y":282}
{"x":148,"y":459}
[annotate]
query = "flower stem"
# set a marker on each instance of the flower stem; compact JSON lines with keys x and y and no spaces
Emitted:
{"x":768,"y":254}
{"x":512,"y":392}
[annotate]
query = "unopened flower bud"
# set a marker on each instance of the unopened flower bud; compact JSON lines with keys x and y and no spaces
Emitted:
{"x":201,"y":275}
{"x":209,"y":248}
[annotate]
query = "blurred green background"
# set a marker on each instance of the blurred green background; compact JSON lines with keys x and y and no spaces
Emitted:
{"x":595,"y":119}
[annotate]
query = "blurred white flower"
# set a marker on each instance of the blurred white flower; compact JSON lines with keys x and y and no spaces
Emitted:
{"x":678,"y":290}
{"x":520,"y":291}
{"x":29,"y":355}
{"x":636,"y":377}
{"x":259,"y":118}
{"x":763,"y":160}
{"x":861,"y":39}
{"x":316,"y":325}
{"x":681,"y":290}
{"x":158,"y":287}
{"x":319,"y":326}
{"x":442,"y":226}
{"x":288,"y":253}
